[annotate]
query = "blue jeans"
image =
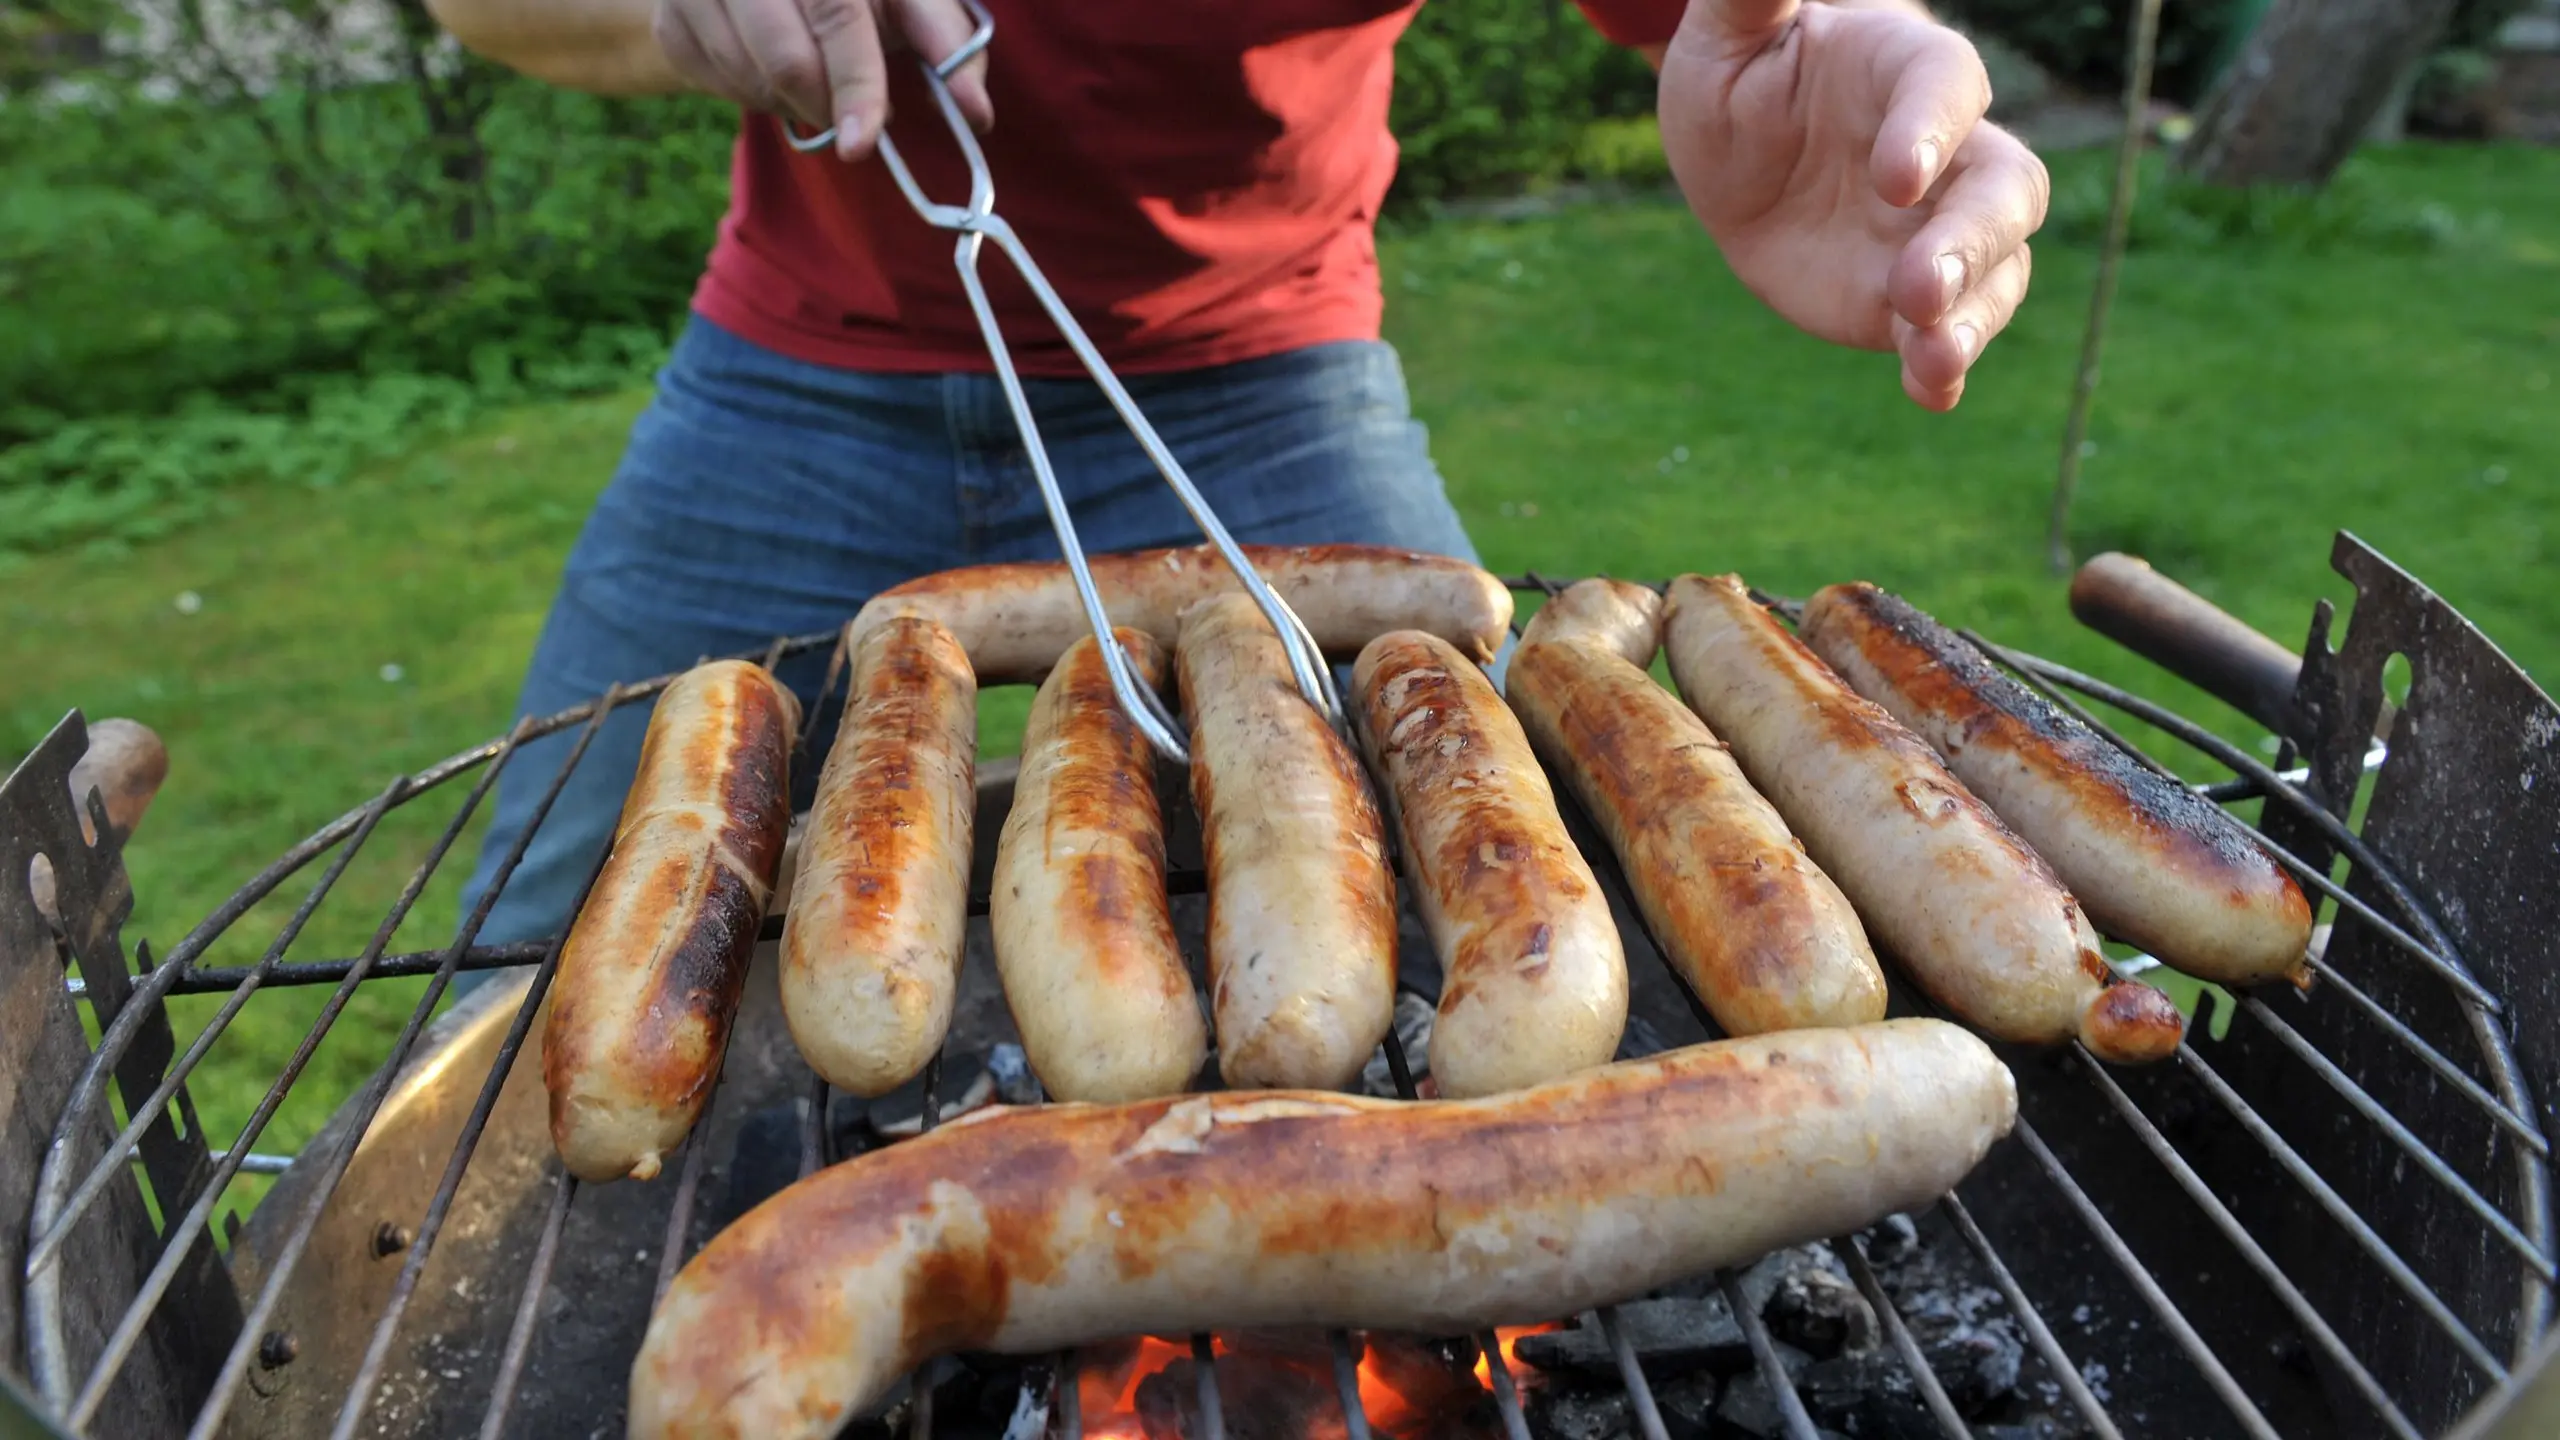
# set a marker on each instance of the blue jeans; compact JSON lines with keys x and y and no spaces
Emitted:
{"x":761,"y":496}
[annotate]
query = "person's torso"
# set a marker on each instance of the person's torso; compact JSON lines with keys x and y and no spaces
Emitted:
{"x":1198,"y":179}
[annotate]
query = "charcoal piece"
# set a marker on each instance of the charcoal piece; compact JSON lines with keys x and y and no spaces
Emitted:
{"x":1261,"y":1397}
{"x":1688,"y":1406}
{"x":1669,"y":1337}
{"x":1868,"y":1394}
{"x":1015,"y":1084}
{"x":1892,"y":1240}
{"x":1821,"y":1314}
{"x":1584,"y":1415}
{"x":2040,"y":1427}
{"x":1427,"y":1376}
{"x":1764,"y":1278}
{"x":1978,"y":1364}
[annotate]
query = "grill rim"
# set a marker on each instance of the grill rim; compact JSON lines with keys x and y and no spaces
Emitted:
{"x":157,"y":981}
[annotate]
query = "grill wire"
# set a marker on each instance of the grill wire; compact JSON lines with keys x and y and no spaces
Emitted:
{"x":1050,"y":1402}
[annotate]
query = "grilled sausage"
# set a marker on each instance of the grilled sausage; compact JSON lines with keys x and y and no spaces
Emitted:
{"x":2153,"y":862}
{"x":1016,"y":620}
{"x":1760,"y":933}
{"x":650,"y":975}
{"x":1534,"y":979}
{"x":1302,"y":915}
{"x":1083,"y":937}
{"x":1020,"y":1231}
{"x":1979,"y":920}
{"x":880,"y":905}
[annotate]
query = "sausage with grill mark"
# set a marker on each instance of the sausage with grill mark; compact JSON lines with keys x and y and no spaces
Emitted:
{"x":1084,"y":940}
{"x":2154,"y":863}
{"x":1015,"y":620}
{"x":1302,"y":917}
{"x":1534,"y":976}
{"x":880,"y":905}
{"x":649,"y":978}
{"x":1762,"y":935}
{"x":1022,"y":1231}
{"x":1976,"y":917}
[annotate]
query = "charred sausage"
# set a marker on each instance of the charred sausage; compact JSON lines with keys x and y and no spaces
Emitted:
{"x":1977,"y":918}
{"x":1020,"y":1231}
{"x":2153,"y":862}
{"x":1302,"y":920}
{"x":1757,"y":929}
{"x":1016,"y":620}
{"x":1083,"y":937}
{"x":649,"y":977}
{"x":880,"y":903}
{"x":1534,"y":980}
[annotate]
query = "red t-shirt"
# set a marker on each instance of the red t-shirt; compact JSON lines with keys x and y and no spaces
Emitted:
{"x":1199,"y":180}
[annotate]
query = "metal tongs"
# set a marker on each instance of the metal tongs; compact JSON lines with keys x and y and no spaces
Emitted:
{"x":976,"y":222}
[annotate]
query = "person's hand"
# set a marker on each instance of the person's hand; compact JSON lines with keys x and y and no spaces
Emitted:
{"x":818,"y":62}
{"x":1839,"y":159}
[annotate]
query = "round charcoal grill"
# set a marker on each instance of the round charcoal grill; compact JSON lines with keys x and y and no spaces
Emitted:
{"x":2333,"y":1220}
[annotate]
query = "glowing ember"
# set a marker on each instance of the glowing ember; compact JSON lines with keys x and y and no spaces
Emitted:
{"x":1145,"y":1389}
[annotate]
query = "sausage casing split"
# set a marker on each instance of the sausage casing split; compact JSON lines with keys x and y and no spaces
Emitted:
{"x":1741,"y":911}
{"x":1976,"y":917}
{"x":649,"y":977}
{"x":1534,"y":977}
{"x":1084,"y":939}
{"x":2153,"y":862}
{"x":1302,"y":910}
{"x":1016,"y":620}
{"x":1021,"y":1231}
{"x":880,"y":903}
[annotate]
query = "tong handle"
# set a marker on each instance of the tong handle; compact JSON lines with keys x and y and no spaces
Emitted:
{"x":941,"y":70}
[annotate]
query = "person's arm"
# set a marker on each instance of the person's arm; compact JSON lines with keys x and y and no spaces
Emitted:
{"x":604,"y":47}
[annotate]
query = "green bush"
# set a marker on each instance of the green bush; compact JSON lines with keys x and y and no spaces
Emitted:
{"x":1495,"y":94}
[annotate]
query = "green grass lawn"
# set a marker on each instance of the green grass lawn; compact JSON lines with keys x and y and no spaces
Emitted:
{"x":1601,"y":395}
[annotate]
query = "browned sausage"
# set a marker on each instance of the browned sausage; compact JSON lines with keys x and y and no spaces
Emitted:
{"x":880,"y":905}
{"x":1016,"y":620}
{"x":1534,"y":978}
{"x":1021,"y":1231}
{"x":1302,"y":918}
{"x":1083,"y":937}
{"x":649,"y":977}
{"x":1974,"y":915}
{"x":2154,"y":863}
{"x":1745,"y":916}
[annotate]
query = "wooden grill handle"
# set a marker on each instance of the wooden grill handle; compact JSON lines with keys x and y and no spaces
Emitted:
{"x":2123,"y":598}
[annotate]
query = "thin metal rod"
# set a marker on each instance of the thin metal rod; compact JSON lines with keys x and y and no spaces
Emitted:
{"x":2065,"y":1373}
{"x":1506,"y":1394}
{"x":182,"y":1236}
{"x":502,"y":1391}
{"x":2524,"y":1130}
{"x":813,"y":1129}
{"x":2303,"y":1312}
{"x":1346,"y":1386}
{"x":1204,"y":1372}
{"x":1764,"y":1354}
{"x":406,"y":964}
{"x":2201,"y":1354}
{"x":1932,"y":1394}
{"x":680,"y":1214}
{"x":255,"y":1163}
{"x":2354,"y":1224}
{"x":2400,"y":1134}
{"x":1070,"y":1395}
{"x":367,"y":1103}
{"x":1631,"y":1374}
{"x":54,"y":1215}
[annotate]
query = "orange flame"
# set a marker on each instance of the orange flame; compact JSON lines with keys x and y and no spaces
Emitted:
{"x":1107,"y":1387}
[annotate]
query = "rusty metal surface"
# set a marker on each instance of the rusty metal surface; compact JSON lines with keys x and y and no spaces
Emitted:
{"x":42,"y":1052}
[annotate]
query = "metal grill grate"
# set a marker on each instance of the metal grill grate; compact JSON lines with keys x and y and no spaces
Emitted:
{"x":78,"y":1173}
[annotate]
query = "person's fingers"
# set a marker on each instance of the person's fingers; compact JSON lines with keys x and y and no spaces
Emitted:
{"x":676,"y":40}
{"x":722,"y":65}
{"x":848,"y":39}
{"x":1984,"y":214}
{"x":1745,"y":23}
{"x":1936,"y":358}
{"x":789,"y":70}
{"x":936,"y":28}
{"x":1939,"y":94}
